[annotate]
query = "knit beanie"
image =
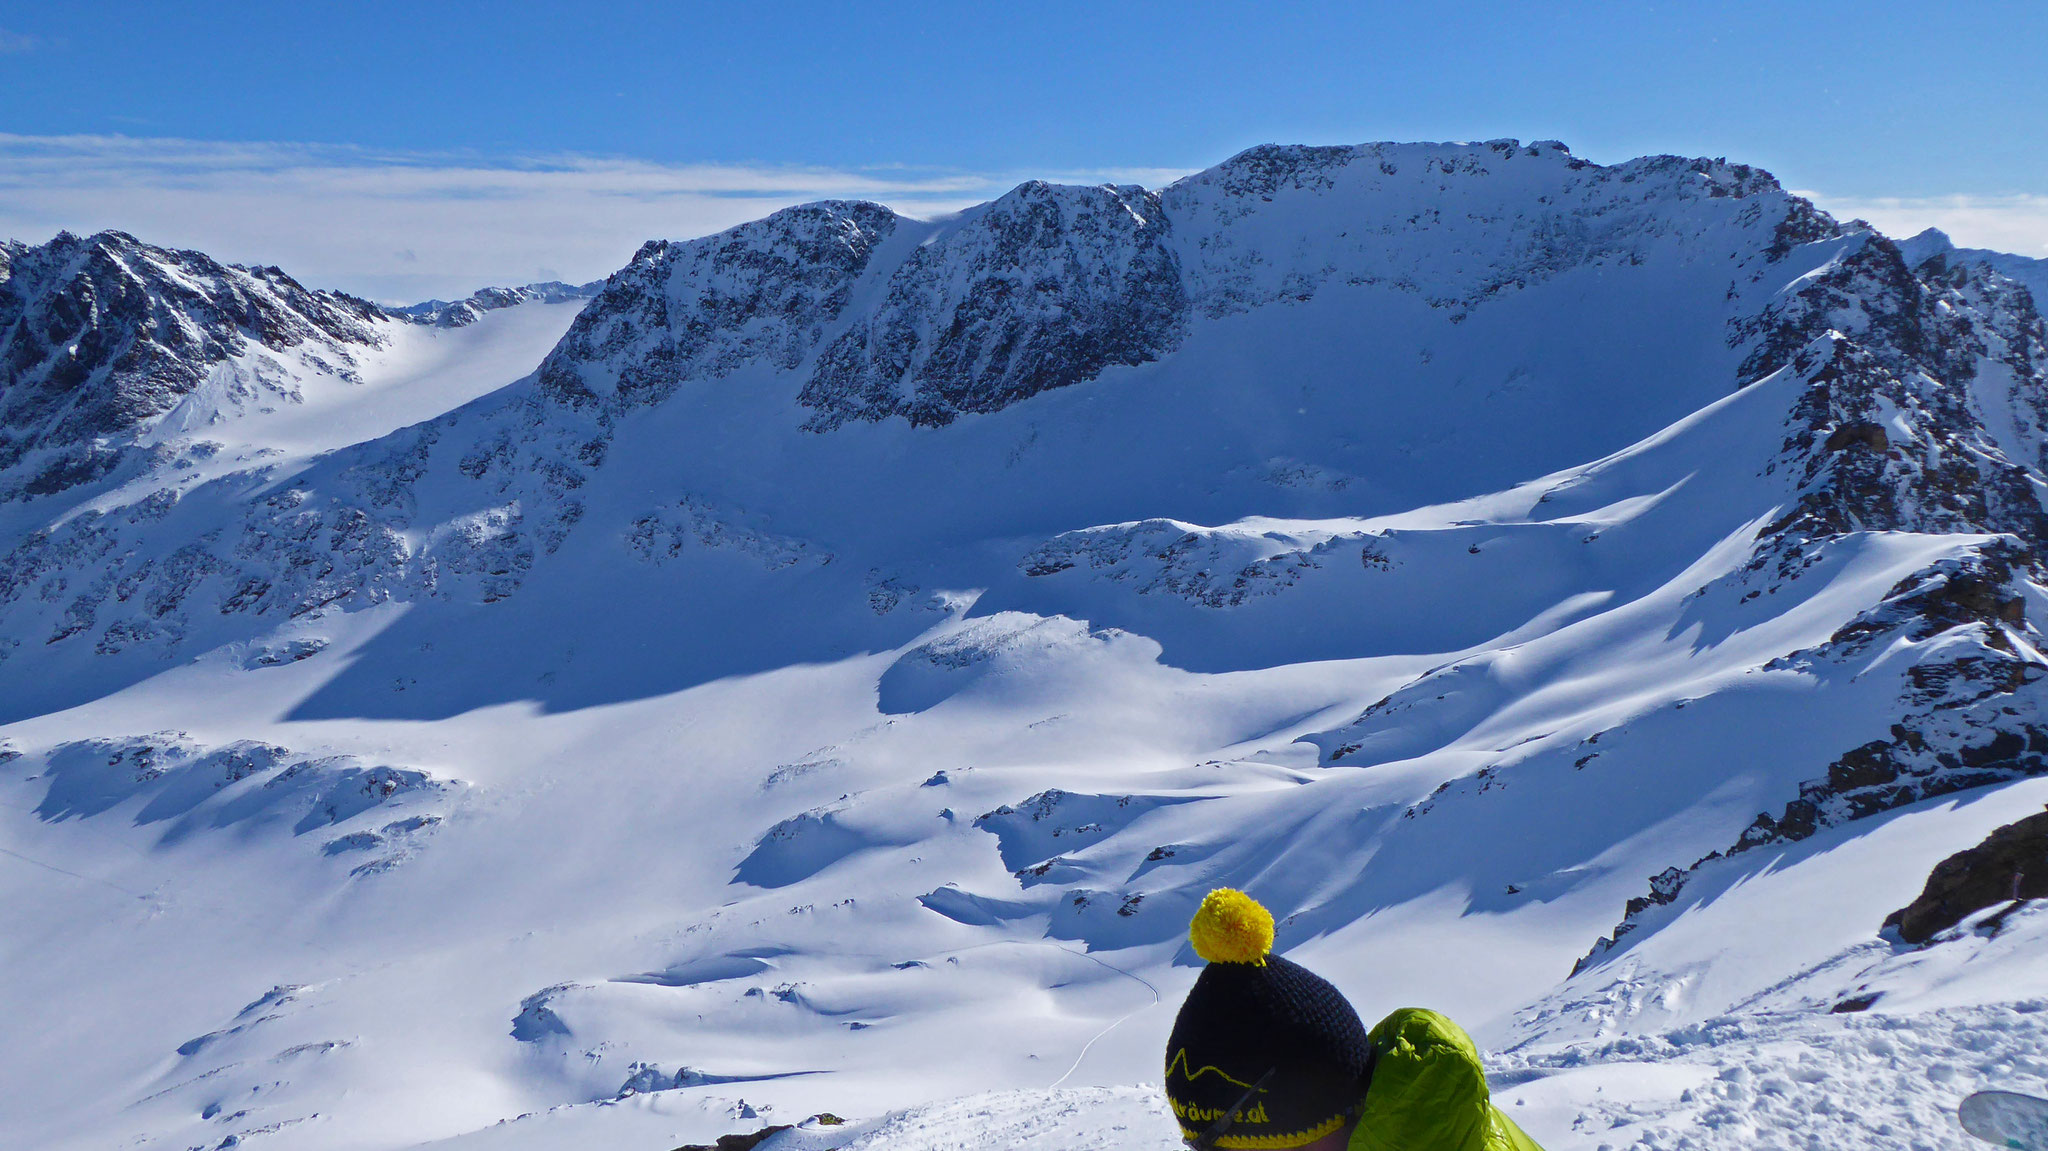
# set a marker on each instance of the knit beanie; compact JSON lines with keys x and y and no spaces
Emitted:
{"x":1261,"y":1031}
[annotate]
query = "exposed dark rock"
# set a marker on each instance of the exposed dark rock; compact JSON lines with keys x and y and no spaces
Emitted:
{"x":1043,"y":288}
{"x":1162,"y":557}
{"x":99,"y":335}
{"x":1881,"y":346}
{"x":702,"y":309}
{"x":1973,"y":713}
{"x":1879,"y":342}
{"x":1869,"y":436}
{"x":1804,"y":224}
{"x":2010,"y":865}
{"x":1933,"y":244}
{"x":752,"y":1139}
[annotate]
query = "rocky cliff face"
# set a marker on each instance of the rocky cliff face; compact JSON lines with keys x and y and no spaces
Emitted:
{"x":701,"y":309}
{"x":2030,"y":273}
{"x":1922,"y":411}
{"x":1043,"y":288}
{"x":2009,"y":867}
{"x":101,"y":334}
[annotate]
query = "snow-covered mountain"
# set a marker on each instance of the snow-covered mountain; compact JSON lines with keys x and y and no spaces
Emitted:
{"x":469,"y":309}
{"x":1935,"y":242}
{"x":820,"y":670}
{"x":106,"y":335}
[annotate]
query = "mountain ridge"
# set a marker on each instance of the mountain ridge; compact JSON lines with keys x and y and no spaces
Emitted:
{"x":846,"y":638}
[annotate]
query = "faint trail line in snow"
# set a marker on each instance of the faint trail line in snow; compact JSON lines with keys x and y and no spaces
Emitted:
{"x":1114,"y":1024}
{"x":73,"y":874}
{"x":1085,"y":1047}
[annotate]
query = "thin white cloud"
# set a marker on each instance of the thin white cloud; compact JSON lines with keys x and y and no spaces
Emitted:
{"x":2015,"y":223}
{"x":12,"y":42}
{"x":404,"y":226}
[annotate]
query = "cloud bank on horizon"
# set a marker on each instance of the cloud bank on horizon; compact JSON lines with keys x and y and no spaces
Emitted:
{"x":2016,"y":223}
{"x":401,"y":226}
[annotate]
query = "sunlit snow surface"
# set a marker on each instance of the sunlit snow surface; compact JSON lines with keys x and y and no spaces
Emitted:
{"x":876,"y":772}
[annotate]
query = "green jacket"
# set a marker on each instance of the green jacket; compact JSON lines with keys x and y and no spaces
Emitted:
{"x":1429,"y":1093}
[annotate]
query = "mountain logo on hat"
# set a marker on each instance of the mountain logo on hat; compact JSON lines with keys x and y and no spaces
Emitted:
{"x":1261,"y":1035}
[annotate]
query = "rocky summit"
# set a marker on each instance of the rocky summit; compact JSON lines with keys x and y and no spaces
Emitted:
{"x":820,"y":667}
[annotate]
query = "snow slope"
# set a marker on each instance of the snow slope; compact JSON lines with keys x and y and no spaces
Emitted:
{"x":823,"y":674}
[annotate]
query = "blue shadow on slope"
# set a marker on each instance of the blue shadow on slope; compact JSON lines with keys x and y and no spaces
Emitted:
{"x":580,"y":636}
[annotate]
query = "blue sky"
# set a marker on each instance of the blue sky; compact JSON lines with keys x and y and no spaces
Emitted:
{"x":683,"y":117}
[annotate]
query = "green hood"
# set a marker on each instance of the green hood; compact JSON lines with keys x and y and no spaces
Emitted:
{"x":1429,"y":1091}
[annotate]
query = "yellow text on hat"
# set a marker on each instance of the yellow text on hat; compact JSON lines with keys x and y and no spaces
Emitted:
{"x":1231,"y":927}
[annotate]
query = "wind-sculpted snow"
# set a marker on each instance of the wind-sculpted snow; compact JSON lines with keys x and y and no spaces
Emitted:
{"x":977,"y":653}
{"x":247,"y":785}
{"x":1035,"y":833}
{"x":804,"y":845}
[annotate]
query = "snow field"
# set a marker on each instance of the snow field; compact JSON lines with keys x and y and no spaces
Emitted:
{"x":777,"y":772}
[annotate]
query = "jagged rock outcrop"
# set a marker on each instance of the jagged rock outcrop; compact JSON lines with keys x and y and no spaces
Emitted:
{"x":1972,"y":711}
{"x":1205,"y":566}
{"x":1925,"y":410}
{"x":1926,"y":399}
{"x":1043,"y":288}
{"x":101,"y":334}
{"x":2010,"y":865}
{"x":702,"y":309}
{"x":1934,"y":242}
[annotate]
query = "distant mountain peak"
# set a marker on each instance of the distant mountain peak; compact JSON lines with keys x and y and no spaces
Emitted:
{"x":100,"y":334}
{"x":471,"y":308}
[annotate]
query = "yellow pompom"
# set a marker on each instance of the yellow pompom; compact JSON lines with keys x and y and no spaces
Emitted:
{"x":1231,"y":927}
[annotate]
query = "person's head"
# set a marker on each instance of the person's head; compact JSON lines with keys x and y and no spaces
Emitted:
{"x":1262,"y":1039}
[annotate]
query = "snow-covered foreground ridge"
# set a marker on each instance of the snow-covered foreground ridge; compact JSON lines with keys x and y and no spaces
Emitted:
{"x":822,"y":670}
